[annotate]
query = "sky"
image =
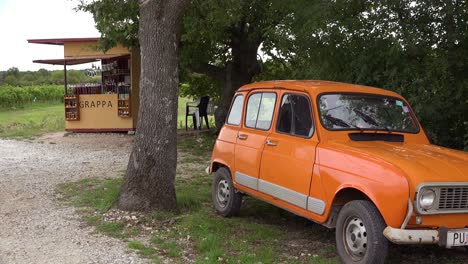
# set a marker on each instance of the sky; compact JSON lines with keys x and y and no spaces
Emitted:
{"x":21,"y":20}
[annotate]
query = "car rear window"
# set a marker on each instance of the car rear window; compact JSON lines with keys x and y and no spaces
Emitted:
{"x":235,"y":114}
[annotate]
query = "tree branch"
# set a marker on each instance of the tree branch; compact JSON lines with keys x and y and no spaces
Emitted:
{"x":209,"y":70}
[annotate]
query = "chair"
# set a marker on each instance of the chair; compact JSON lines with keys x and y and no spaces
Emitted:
{"x":197,"y":110}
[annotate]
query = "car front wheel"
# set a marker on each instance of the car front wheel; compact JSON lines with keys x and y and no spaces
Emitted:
{"x":226,"y":200}
{"x":359,"y":233}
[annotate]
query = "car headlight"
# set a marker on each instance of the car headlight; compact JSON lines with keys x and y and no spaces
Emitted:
{"x":427,"y":198}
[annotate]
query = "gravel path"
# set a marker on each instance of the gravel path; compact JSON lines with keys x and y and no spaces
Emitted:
{"x":34,"y":228}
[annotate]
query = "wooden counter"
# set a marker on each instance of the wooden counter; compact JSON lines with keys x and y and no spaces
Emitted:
{"x":99,"y":113}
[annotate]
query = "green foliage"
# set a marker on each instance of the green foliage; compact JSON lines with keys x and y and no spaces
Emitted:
{"x":14,"y":77}
{"x":198,"y":85}
{"x":117,"y":20}
{"x":212,"y":28}
{"x":416,"y":48}
{"x":13,"y":71}
{"x":11,"y":96}
{"x":214,"y":34}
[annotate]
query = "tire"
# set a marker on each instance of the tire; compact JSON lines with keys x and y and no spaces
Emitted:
{"x":359,"y":234}
{"x":226,"y":199}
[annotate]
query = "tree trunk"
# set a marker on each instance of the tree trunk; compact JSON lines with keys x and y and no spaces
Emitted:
{"x":149,"y":181}
{"x":240,"y":71}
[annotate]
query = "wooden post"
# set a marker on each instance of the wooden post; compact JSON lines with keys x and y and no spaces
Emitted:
{"x":65,"y":75}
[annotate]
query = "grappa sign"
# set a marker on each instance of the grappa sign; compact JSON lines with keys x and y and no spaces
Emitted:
{"x":95,"y":104}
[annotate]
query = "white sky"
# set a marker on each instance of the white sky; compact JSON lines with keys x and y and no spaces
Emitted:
{"x":21,"y":20}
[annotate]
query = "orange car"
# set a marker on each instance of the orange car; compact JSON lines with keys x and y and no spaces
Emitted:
{"x":349,"y":157}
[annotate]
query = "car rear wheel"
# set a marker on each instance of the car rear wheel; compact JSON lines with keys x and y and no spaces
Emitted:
{"x":226,"y":200}
{"x":359,"y":233}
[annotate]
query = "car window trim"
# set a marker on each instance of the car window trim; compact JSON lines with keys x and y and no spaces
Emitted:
{"x":311,"y":115}
{"x":261,"y":98}
{"x":230,"y":109}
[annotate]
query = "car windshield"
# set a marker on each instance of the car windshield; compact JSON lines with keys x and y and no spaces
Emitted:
{"x":366,"y":112}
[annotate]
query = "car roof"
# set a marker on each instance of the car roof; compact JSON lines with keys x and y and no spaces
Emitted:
{"x":316,"y":87}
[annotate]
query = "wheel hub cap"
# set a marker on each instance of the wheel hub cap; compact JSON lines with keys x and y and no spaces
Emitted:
{"x":223,"y":192}
{"x":355,"y":237}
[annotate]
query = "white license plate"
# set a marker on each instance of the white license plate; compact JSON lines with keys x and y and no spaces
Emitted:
{"x":457,"y":238}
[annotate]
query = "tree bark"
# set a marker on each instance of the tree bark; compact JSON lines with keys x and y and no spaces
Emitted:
{"x":149,"y":181}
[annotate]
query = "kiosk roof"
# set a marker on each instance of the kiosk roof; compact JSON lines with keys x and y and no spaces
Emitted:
{"x":61,"y":41}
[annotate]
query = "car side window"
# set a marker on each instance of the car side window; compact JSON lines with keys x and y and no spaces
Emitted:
{"x":234,"y":117}
{"x":294,"y":116}
{"x":260,"y":108}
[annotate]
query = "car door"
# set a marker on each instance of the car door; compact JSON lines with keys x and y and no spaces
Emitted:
{"x":289,"y":154}
{"x":258,"y":116}
{"x":227,"y":138}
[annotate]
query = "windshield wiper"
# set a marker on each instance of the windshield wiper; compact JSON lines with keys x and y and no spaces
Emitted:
{"x":369,"y":120}
{"x":336,"y":121}
{"x":341,"y":123}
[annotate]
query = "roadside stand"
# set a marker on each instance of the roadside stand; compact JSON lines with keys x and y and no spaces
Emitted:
{"x":109,"y":105}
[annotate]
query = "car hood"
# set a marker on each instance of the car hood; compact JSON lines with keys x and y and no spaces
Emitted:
{"x":420,"y":162}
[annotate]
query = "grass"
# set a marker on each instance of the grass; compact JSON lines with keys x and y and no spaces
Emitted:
{"x":181,"y":115}
{"x":181,"y":111}
{"x":114,"y":229}
{"x":98,"y":194}
{"x":195,"y":231}
{"x":31,"y":120}
{"x":144,"y":250}
{"x":261,"y":233}
{"x":36,"y":119}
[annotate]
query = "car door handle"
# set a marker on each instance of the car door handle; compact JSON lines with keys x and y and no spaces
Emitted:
{"x":242,"y":136}
{"x":271,"y":143}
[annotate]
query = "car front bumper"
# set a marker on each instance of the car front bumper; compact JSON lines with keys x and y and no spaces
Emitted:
{"x":441,"y":236}
{"x":408,"y":236}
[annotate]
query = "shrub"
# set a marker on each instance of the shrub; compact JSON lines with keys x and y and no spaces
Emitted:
{"x":11,"y":96}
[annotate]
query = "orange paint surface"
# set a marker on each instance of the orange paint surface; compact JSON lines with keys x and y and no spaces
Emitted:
{"x":328,"y":162}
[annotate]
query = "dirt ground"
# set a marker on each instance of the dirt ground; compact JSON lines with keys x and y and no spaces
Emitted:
{"x":36,"y":229}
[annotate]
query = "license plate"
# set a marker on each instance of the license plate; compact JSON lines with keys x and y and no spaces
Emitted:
{"x":457,"y":238}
